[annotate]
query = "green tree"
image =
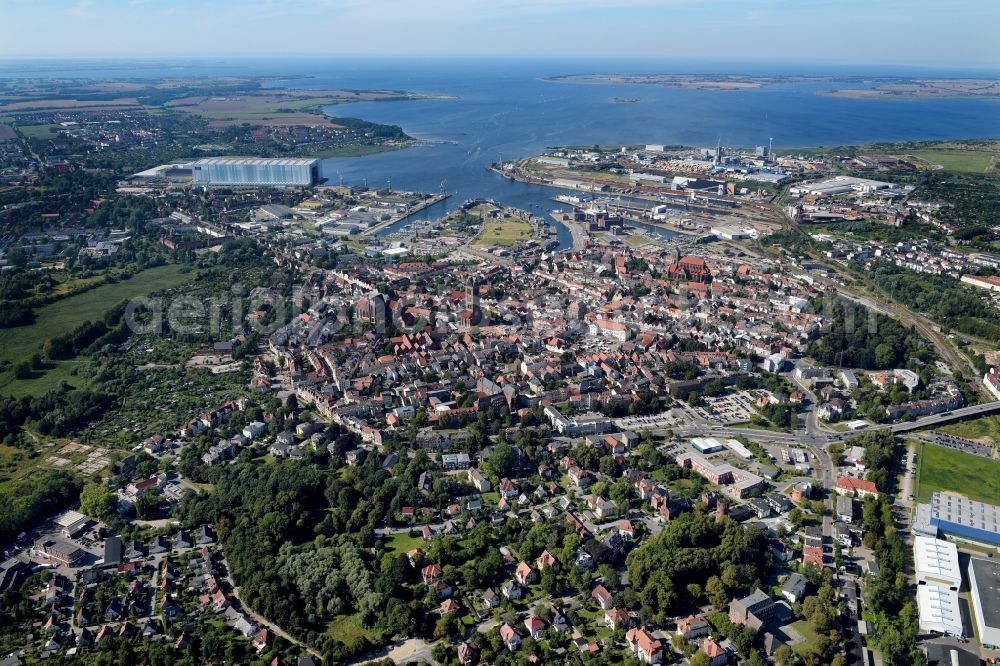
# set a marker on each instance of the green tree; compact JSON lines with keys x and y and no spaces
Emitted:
{"x":148,"y":505}
{"x":716,"y":592}
{"x":502,"y":460}
{"x":700,"y":659}
{"x":97,"y":501}
{"x":784,"y":656}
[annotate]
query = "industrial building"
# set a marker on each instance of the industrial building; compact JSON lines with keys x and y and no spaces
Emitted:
{"x":706,"y":445}
{"x":956,"y":516}
{"x":939,"y":611}
{"x":938,"y":579}
{"x":256,"y":171}
{"x":936,"y":563}
{"x":984,"y":588}
{"x":72,"y":523}
{"x":844,"y":185}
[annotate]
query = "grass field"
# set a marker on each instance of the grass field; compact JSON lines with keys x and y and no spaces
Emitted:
{"x":504,"y":232}
{"x":347,"y":628}
{"x":39,"y":131}
{"x":400,"y":544}
{"x":963,"y":161}
{"x":19,"y":343}
{"x":807,"y":632}
{"x":636,"y":241}
{"x":985,"y":426}
{"x":355,"y":150}
{"x":954,"y":471}
{"x":72,"y":285}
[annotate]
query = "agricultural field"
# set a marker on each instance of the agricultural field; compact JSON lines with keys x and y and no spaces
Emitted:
{"x":62,"y":316}
{"x":954,"y":471}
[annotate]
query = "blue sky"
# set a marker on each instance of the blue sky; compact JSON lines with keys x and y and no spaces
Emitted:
{"x":903,"y":32}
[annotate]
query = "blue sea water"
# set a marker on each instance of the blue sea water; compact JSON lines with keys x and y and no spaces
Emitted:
{"x":505,"y":107}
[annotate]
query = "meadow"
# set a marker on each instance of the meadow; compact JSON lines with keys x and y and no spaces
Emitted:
{"x":19,"y":343}
{"x":954,"y":471}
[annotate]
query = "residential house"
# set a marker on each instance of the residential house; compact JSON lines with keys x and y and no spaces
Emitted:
{"x":535,"y":626}
{"x":261,"y":640}
{"x":468,"y":655}
{"x":431,"y":573}
{"x":813,"y":555}
{"x":603,"y":597}
{"x":490,"y":598}
{"x":845,"y":508}
{"x":546,"y":561}
{"x":510,"y":590}
{"x":717,"y":655}
{"x":693,"y":626}
{"x":794,"y":588}
{"x":510,"y":637}
{"x":479,"y":480}
{"x":852,"y":487}
{"x":616,"y":618}
{"x":508,"y":489}
{"x":647,"y":649}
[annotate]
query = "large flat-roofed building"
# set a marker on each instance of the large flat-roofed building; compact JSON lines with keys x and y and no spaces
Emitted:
{"x":72,"y":522}
{"x":984,"y":588}
{"x":939,"y":611}
{"x":959,"y":517}
{"x":936,"y":563}
{"x":742,"y":481}
{"x":255,"y":171}
{"x":60,"y":551}
{"x":844,"y":185}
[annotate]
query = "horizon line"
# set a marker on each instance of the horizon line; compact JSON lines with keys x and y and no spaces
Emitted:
{"x":499,"y":57}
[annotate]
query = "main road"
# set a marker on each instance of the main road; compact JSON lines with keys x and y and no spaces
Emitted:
{"x":811,"y":435}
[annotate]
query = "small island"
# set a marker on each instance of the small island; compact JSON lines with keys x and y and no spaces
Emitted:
{"x":924,"y":89}
{"x":710,"y":82}
{"x":876,"y":87}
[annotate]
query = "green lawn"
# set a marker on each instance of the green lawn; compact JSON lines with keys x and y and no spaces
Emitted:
{"x":19,"y":343}
{"x":506,"y":232}
{"x":807,"y":632}
{"x":963,"y":473}
{"x":40,"y":131}
{"x":400,"y":544}
{"x":984,"y":426}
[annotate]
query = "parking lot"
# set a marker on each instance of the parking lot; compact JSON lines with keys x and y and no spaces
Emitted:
{"x":731,"y":408}
{"x":669,"y":419}
{"x":959,"y":443}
